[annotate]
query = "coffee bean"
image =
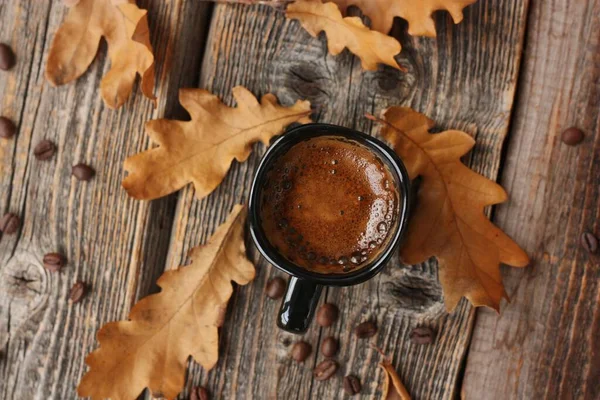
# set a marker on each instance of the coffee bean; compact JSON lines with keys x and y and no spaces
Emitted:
{"x":366,"y":330}
{"x":83,"y":172}
{"x":53,"y":262}
{"x":422,"y":335}
{"x":7,"y":128}
{"x":325,"y":370}
{"x":9,"y":224}
{"x":275,"y":288}
{"x":301,"y":351}
{"x":44,"y":150}
{"x":329,"y":346}
{"x":77,"y":292}
{"x":7,"y":57}
{"x":352,"y":385}
{"x":572,"y":136}
{"x":327,"y":314}
{"x":589,"y":242}
{"x":199,"y":393}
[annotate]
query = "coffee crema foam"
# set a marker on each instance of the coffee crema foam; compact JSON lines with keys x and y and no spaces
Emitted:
{"x":329,"y":204}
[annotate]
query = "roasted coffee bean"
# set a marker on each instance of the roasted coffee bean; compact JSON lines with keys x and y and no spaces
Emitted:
{"x":275,"y":288}
{"x":301,"y":351}
{"x":77,"y":292}
{"x":329,"y":346}
{"x":7,"y":57}
{"x":422,"y":335}
{"x":53,"y":262}
{"x":7,"y":128}
{"x":199,"y":393}
{"x":589,"y":242}
{"x":83,"y":172}
{"x":9,"y":224}
{"x":366,"y":330}
{"x":327,"y":314}
{"x":325,"y":370}
{"x":44,"y":150}
{"x":352,"y":385}
{"x":572,"y":136}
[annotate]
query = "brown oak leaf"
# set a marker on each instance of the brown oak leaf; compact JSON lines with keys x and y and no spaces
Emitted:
{"x":416,"y":12}
{"x":448,"y":221}
{"x":125,"y":28}
{"x":393,"y":388}
{"x":371,"y":47}
{"x":151,"y":349}
{"x":201,"y":150}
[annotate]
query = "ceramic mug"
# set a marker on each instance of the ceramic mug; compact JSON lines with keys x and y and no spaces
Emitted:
{"x":304,"y":288}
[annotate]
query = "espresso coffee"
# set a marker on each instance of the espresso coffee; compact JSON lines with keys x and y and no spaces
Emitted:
{"x":329,"y":205}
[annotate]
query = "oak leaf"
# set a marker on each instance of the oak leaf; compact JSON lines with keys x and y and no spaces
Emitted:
{"x":201,"y":150}
{"x":449,"y":221}
{"x":416,"y":12}
{"x":125,"y":28}
{"x":151,"y":349}
{"x":371,"y":47}
{"x":393,"y":388}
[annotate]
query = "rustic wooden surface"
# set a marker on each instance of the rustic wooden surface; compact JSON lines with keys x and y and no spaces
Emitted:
{"x":546,"y":343}
{"x":116,"y":245}
{"x":465,"y":79}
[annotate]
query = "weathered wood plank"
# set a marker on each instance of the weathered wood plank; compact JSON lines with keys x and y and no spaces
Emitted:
{"x":116,"y":245}
{"x":546,"y":343}
{"x":464,"y":79}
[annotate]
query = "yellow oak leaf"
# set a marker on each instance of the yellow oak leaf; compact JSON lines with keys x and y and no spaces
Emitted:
{"x":151,"y":349}
{"x":448,"y":220}
{"x":393,"y":388}
{"x":371,"y":47}
{"x":201,"y":150}
{"x":125,"y":28}
{"x":416,"y":12}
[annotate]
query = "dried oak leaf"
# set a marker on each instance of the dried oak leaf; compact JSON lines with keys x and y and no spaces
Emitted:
{"x":395,"y":391}
{"x":449,"y":221}
{"x":151,"y":349}
{"x":370,"y":46}
{"x":416,"y":12}
{"x":201,"y":150}
{"x":125,"y":28}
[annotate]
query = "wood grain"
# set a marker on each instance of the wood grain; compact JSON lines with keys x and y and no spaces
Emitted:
{"x":116,"y":245}
{"x":546,"y":343}
{"x":464,"y":79}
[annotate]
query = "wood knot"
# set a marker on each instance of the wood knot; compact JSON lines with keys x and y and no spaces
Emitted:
{"x":23,"y":278}
{"x":23,"y":285}
{"x":412,"y":290}
{"x":307,"y":81}
{"x":391,"y":83}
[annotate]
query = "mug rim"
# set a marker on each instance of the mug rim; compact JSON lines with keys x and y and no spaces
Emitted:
{"x":305,"y":132}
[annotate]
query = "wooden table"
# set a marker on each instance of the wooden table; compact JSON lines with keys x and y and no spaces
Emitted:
{"x":514,"y":74}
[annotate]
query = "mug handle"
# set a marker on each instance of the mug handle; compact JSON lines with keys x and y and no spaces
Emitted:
{"x":299,"y":305}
